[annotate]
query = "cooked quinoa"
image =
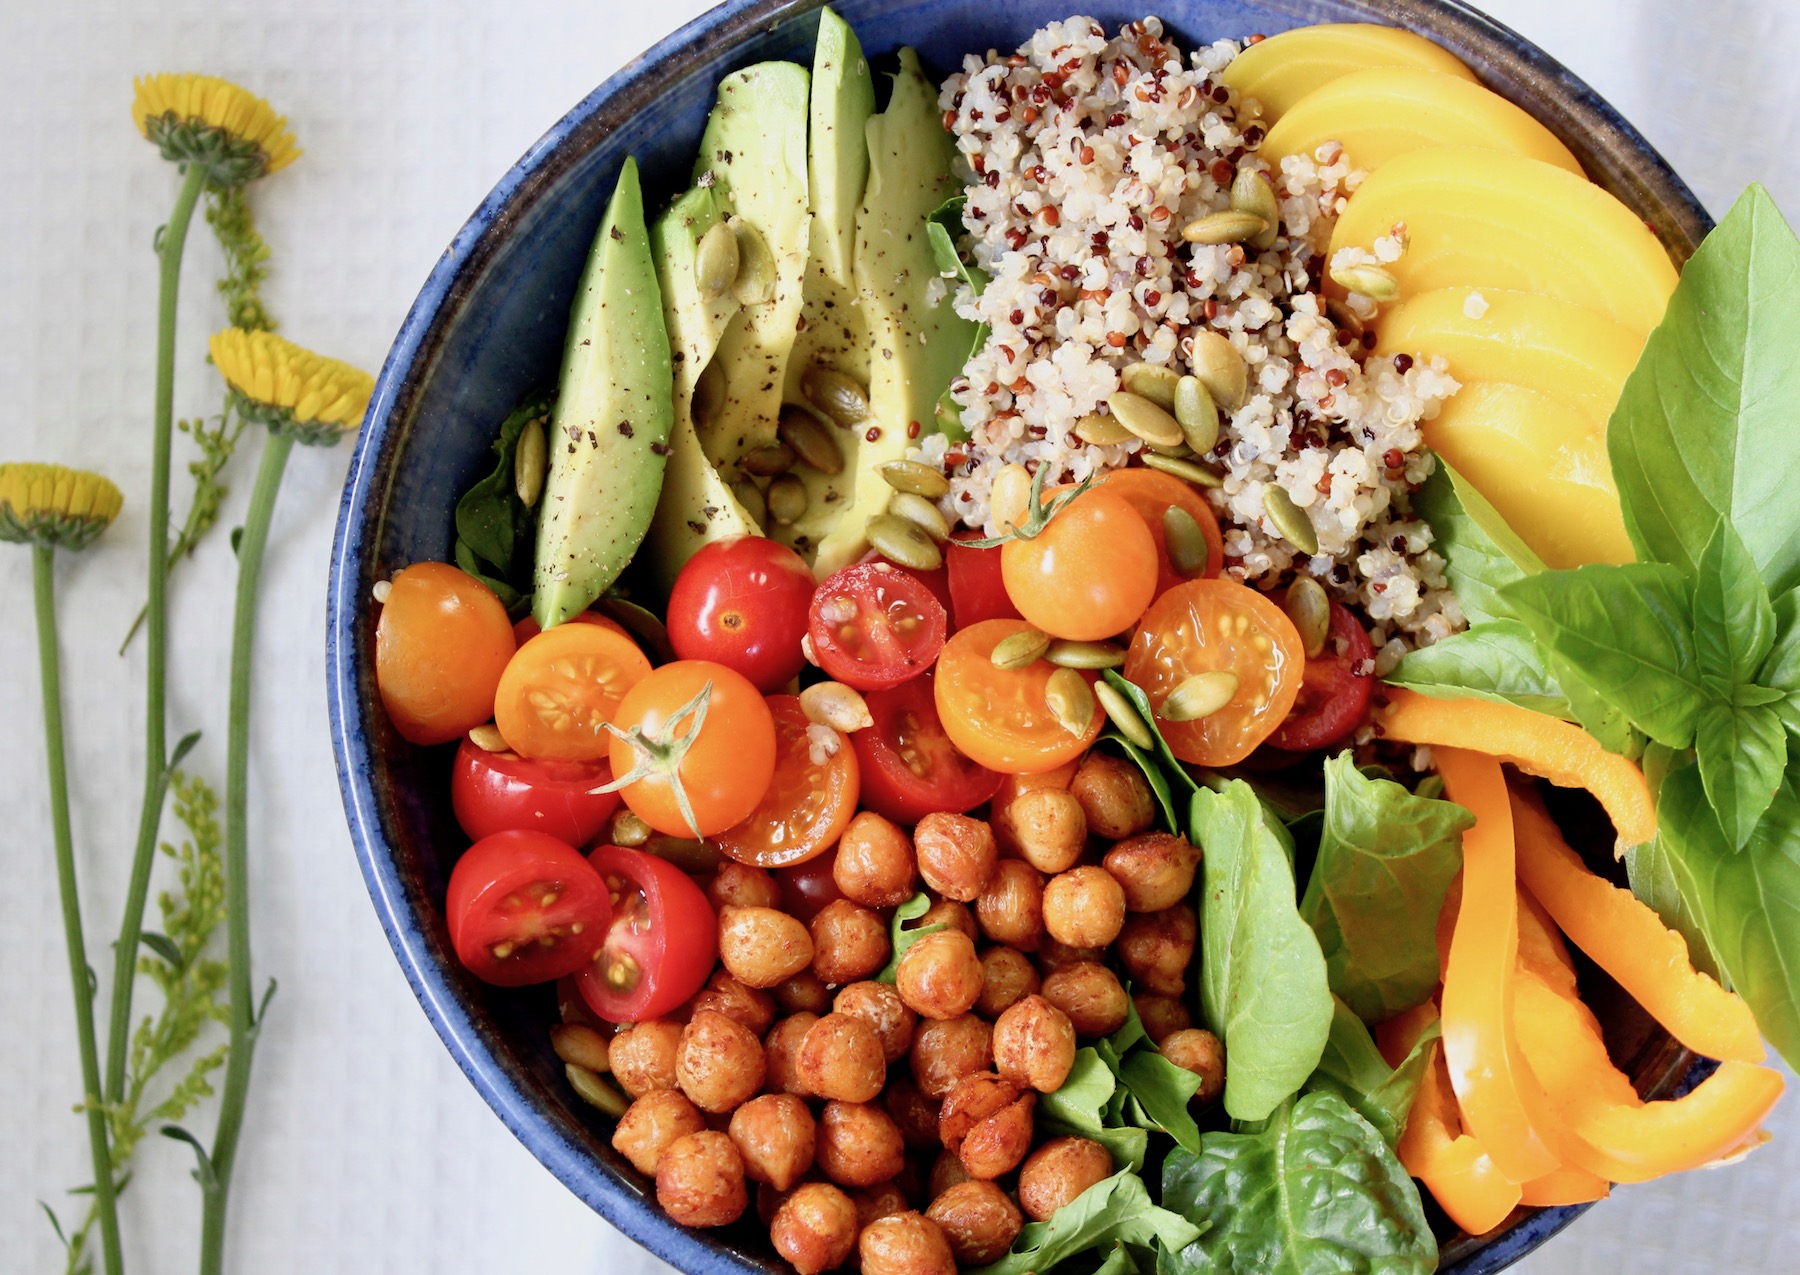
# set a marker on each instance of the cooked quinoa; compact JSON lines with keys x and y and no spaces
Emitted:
{"x":1086,"y":156}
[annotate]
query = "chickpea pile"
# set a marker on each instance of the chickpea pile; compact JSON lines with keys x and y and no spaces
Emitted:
{"x":893,"y":1125}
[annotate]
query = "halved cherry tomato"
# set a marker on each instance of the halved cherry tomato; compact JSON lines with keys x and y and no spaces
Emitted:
{"x":1218,"y":624}
{"x":1152,"y":493}
{"x":1089,"y":574}
{"x":523,"y":908}
{"x":700,"y":734}
{"x":743,"y":603}
{"x":999,"y":717}
{"x":501,"y":792}
{"x":977,"y":589}
{"x":441,"y":644}
{"x":874,"y":625}
{"x":808,"y":802}
{"x":807,"y":887}
{"x":937,"y":580}
{"x":561,"y":687}
{"x":661,"y":944}
{"x":1335,"y":689}
{"x":909,"y":766}
{"x":526,"y":626}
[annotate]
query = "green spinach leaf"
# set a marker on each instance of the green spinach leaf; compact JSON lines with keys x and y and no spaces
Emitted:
{"x":1495,"y":660}
{"x":905,"y":933}
{"x":1483,"y":553}
{"x":1353,"y":1069}
{"x":1116,"y":1211}
{"x":1080,"y":1107}
{"x":1180,"y":783}
{"x":494,"y":529}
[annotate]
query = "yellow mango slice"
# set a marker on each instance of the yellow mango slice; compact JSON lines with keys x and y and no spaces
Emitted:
{"x":1284,"y":68}
{"x":1573,"y":355}
{"x":1542,"y":465}
{"x":1487,"y":219}
{"x":1383,"y":113}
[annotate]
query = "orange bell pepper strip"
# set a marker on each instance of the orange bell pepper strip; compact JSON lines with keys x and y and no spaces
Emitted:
{"x":1396,"y":1037}
{"x":1629,"y":941}
{"x":1566,"y":1185}
{"x":1541,"y":947}
{"x":1452,"y":1164}
{"x":1543,"y":746}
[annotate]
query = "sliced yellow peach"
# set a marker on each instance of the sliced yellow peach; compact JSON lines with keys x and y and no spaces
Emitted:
{"x":1284,"y":68}
{"x":1562,"y":351}
{"x":1487,"y":219}
{"x":1383,"y":113}
{"x":1541,"y":465}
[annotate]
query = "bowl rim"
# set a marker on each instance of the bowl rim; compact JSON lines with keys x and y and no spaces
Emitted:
{"x":361,"y":511}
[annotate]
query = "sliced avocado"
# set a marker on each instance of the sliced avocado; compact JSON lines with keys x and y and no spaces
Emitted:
{"x":614,"y":408}
{"x":918,"y":345}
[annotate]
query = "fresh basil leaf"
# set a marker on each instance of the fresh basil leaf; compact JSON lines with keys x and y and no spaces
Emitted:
{"x":1781,"y":669}
{"x":1659,"y":879}
{"x":1263,"y":986}
{"x":1353,"y":1068}
{"x":1734,"y":620}
{"x":1742,"y":753}
{"x":1482,"y":552}
{"x":1317,"y":1190}
{"x":1496,"y":660}
{"x":1116,"y":1211}
{"x":1704,"y":427}
{"x":1162,"y":1089}
{"x":905,"y":933}
{"x":1079,"y":1107}
{"x":1592,"y":711}
{"x":493,"y":526}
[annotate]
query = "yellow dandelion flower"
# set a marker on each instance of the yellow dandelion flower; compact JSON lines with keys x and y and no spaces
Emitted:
{"x":201,"y":119}
{"x":289,"y":388}
{"x":53,"y":506}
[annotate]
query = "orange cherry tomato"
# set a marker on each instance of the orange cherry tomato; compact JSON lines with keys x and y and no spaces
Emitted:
{"x":808,"y":802}
{"x":1153,"y":493}
{"x":1204,"y":625}
{"x":441,"y":644}
{"x":1089,"y":574}
{"x":526,"y":627}
{"x":999,"y":717}
{"x":561,"y":688}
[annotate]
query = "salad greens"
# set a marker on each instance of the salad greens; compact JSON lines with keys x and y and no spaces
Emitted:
{"x":942,"y":230}
{"x":1354,"y":1070}
{"x":1166,"y":775}
{"x":1116,"y":1211}
{"x":496,"y":532}
{"x":905,"y":933}
{"x":1153,"y":1092}
{"x":1082,"y":1108}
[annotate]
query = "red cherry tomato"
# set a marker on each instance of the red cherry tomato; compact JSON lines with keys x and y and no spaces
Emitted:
{"x":503,"y":792}
{"x":937,"y":580}
{"x":874,"y":626}
{"x":743,"y":603}
{"x":909,"y":766}
{"x":523,"y":908}
{"x":661,"y":944}
{"x":807,"y":887}
{"x":977,"y":591}
{"x":1335,"y":689}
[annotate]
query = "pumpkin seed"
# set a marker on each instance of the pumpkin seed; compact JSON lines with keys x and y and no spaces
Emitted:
{"x":1221,"y":369}
{"x":1251,"y":193}
{"x":836,"y":395}
{"x":709,"y":395}
{"x":1194,"y":473}
{"x":1345,"y":318}
{"x":1009,"y":497}
{"x":1291,"y":522}
{"x":1020,"y":650}
{"x":595,"y":1091}
{"x":580,"y":1044}
{"x":1185,"y":542}
{"x":1065,"y":653}
{"x":1144,"y":419}
{"x":835,"y":705}
{"x":1124,"y":716}
{"x":913,"y":477}
{"x":1372,"y":281}
{"x":750,"y":496}
{"x":1310,"y":610}
{"x":1233,"y":225}
{"x":627,"y":829}
{"x":380,"y":590}
{"x":903,"y":543}
{"x":1102,"y":430}
{"x":1197,"y":414}
{"x":812,"y":443}
{"x":786,"y":499}
{"x":768,"y":460}
{"x":488,"y":738}
{"x":716,"y":261}
{"x":754,"y":283}
{"x":1070,"y":700}
{"x":696,"y":858}
{"x":920,"y":511}
{"x":1152,"y":381}
{"x":1199,"y":696}
{"x":530,"y":459}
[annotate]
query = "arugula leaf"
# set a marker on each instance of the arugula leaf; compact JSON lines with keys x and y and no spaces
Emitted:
{"x":1353,"y":1069}
{"x":1116,"y":1211}
{"x":1781,"y":670}
{"x":1315,"y":1190}
{"x":1704,"y":428}
{"x":1079,"y":1108}
{"x":495,"y":533}
{"x":1496,"y":660}
{"x":905,"y":933}
{"x":1386,"y":857}
{"x":1482,"y":552}
{"x":1263,"y":985}
{"x":1119,"y":1263}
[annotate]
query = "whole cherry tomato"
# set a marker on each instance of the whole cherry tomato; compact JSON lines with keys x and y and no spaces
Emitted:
{"x":874,"y":625}
{"x":1089,"y":573}
{"x":1335,"y":689}
{"x":660,"y":945}
{"x":502,"y":791}
{"x":441,"y":644}
{"x":909,"y":766}
{"x":523,"y":908}
{"x":743,"y":603}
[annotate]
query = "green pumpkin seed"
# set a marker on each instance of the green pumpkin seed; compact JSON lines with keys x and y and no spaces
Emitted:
{"x":1251,"y":193}
{"x":709,"y":395}
{"x":488,"y":739}
{"x":716,"y":261}
{"x":750,"y":496}
{"x":786,"y":499}
{"x":1070,"y":700}
{"x":1199,"y":696}
{"x":628,"y":830}
{"x":1197,"y":414}
{"x":904,"y":543}
{"x":1233,"y":225}
{"x":912,"y":477}
{"x":768,"y":460}
{"x":1194,"y":473}
{"x":836,"y":395}
{"x":1124,"y":716}
{"x":1310,"y":610}
{"x":530,"y":459}
{"x":1185,"y":541}
{"x":1020,"y":650}
{"x":696,"y":858}
{"x":1221,"y":369}
{"x":1372,"y":281}
{"x":811,"y":441}
{"x":1102,"y":430}
{"x":1291,"y":522}
{"x":1152,"y":381}
{"x":580,"y":1044}
{"x":1086,"y":655}
{"x":922,"y":513}
{"x":1144,"y":419}
{"x":595,"y":1091}
{"x":756,"y":274}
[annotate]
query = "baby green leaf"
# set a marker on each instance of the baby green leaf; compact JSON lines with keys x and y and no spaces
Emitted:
{"x":905,"y":933}
{"x":1781,"y":670}
{"x":1353,"y":1068}
{"x":1483,"y":553}
{"x":495,"y":532}
{"x":1115,"y":1211}
{"x":1495,"y":660}
{"x":1659,"y":879}
{"x":1743,"y":750}
{"x":1163,"y":1090}
{"x":1079,"y":1108}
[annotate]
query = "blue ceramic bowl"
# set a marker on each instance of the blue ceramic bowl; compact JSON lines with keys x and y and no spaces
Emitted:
{"x":488,"y":327}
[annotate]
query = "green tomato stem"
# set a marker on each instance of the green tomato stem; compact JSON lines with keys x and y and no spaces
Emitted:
{"x":50,"y":669}
{"x":216,"y":1186}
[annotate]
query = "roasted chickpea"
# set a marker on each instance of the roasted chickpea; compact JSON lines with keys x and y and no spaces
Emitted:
{"x":879,"y":1005}
{"x":946,"y":1171}
{"x":878,"y":1202}
{"x":1006,"y":975}
{"x":815,"y":1228}
{"x":781,"y":1054}
{"x":841,"y":1058}
{"x":700,"y":1180}
{"x":987,"y":1122}
{"x":905,"y":1244}
{"x":804,"y":991}
{"x":1156,"y":870}
{"x":978,"y":1220}
{"x":956,"y":854}
{"x":849,"y":942}
{"x":1200,"y":1052}
{"x":1092,"y":997}
{"x":652,"y":1124}
{"x":951,"y":915}
{"x":753,"y":1008}
{"x":1114,"y":795}
{"x":1059,"y":1171}
{"x":1034,"y":1044}
{"x":945,"y":1051}
{"x":875,"y":865}
{"x":859,"y":1144}
{"x":719,"y":1062}
{"x":738,"y":885}
{"x":1083,"y":907}
{"x":1044,"y":827}
{"x":1011,"y":908}
{"x":940,"y":975}
{"x":1156,"y":949}
{"x":1053,"y":956}
{"x":643,"y":1057}
{"x":775,"y":1134}
{"x":1161,"y":1015}
{"x":916,"y":1114}
{"x":763,"y":946}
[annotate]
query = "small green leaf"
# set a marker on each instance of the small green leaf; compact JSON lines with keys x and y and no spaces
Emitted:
{"x":1734,"y":620}
{"x":1483,"y":553}
{"x":1153,"y":773}
{"x":237,"y":538}
{"x":1116,"y":1211}
{"x":163,"y":947}
{"x":1742,"y":753}
{"x":1496,"y":660}
{"x":1162,"y":1089}
{"x":1353,"y":1068}
{"x":183,"y":747}
{"x":55,"y":1225}
{"x":1079,"y":1108}
{"x":905,"y":934}
{"x":1180,"y":782}
{"x":203,"y":1170}
{"x":1781,"y":670}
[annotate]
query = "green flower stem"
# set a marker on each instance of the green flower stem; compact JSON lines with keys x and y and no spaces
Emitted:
{"x":50,"y":668}
{"x":156,"y":756}
{"x":216,"y":1184}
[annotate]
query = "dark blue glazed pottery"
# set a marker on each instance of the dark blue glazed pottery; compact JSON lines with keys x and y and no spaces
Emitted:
{"x":488,"y":327}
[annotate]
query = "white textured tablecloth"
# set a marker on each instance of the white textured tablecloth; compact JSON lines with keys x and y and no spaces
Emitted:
{"x":366,"y":1151}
